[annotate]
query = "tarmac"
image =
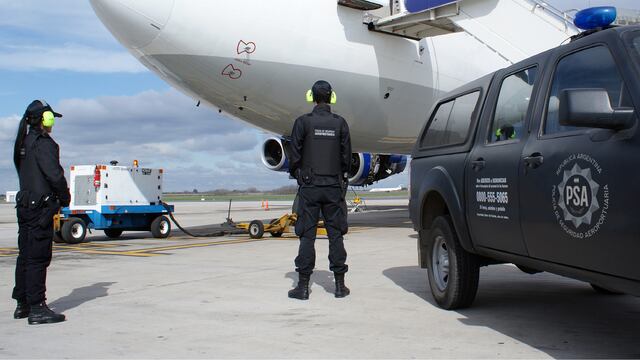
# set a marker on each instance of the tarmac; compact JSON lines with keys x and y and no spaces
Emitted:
{"x":226,"y":297}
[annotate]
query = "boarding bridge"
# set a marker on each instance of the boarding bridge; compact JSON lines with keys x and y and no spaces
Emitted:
{"x":515,"y":29}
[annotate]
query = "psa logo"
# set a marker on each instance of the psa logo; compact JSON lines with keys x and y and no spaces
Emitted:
{"x":580,"y":203}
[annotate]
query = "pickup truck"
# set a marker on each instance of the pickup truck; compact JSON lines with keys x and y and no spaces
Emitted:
{"x":538,"y":165}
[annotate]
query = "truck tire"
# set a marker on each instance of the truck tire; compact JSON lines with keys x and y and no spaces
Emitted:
{"x":74,"y":231}
{"x":256,"y":229}
{"x":605,"y":291}
{"x":453,"y":272}
{"x":113,"y":233}
{"x":161,"y":227}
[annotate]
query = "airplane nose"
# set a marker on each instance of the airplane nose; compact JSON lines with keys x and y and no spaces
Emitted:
{"x":135,"y":23}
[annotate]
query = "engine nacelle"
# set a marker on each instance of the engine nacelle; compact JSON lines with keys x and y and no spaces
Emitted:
{"x":274,"y":156}
{"x":366,"y":168}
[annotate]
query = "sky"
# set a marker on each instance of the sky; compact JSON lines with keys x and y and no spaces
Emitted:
{"x":115,"y":109}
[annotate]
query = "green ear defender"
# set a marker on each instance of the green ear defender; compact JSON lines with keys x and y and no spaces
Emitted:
{"x":48,"y":120}
{"x":334,"y":97}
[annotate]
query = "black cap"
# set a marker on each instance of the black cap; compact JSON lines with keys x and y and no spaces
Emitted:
{"x":38,"y":107}
{"x":321,"y":89}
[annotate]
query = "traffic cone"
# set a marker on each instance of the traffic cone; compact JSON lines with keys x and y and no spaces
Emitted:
{"x":262,"y":204}
{"x":266,"y":206}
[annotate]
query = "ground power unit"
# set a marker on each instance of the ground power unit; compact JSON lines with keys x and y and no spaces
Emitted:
{"x":114,"y":199}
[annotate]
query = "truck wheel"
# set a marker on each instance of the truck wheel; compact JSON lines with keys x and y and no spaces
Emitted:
{"x":161,"y":227}
{"x":604,"y":291}
{"x":113,"y":233}
{"x":74,"y":231}
{"x":276,"y":234}
{"x":453,"y":272}
{"x":57,"y":237}
{"x":256,"y":229}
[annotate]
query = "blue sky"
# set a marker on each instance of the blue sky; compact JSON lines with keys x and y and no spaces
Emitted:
{"x":115,"y":109}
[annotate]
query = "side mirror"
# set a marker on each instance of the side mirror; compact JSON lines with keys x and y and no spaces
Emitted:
{"x":592,"y":108}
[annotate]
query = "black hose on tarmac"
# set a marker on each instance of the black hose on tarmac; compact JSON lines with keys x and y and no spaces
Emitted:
{"x":214,"y":234}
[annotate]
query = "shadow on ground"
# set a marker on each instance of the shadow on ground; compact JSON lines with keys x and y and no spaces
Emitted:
{"x":322,"y":278}
{"x":80,"y":296}
{"x":559,"y":316}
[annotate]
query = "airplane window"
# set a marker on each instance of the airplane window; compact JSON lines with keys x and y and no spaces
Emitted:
{"x":513,"y":105}
{"x":593,"y":68}
{"x":451,"y":123}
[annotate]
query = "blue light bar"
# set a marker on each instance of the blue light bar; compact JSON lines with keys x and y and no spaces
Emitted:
{"x":595,"y":17}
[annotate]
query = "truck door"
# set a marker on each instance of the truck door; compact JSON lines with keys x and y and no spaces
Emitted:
{"x":492,"y":171}
{"x":580,"y":186}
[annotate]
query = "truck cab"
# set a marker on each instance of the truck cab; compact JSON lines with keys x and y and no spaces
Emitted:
{"x":537,"y":165}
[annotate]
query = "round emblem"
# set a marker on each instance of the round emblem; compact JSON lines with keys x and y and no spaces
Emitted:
{"x":578,"y":196}
{"x":580,"y":202}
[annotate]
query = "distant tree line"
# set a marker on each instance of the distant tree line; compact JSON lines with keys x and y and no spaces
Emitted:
{"x":284,"y":190}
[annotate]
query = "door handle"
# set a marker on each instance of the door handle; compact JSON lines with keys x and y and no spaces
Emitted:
{"x":478,"y":164}
{"x":534,"y":161}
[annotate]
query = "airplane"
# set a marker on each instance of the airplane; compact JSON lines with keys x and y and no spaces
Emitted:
{"x":387,"y":190}
{"x":388,"y":61}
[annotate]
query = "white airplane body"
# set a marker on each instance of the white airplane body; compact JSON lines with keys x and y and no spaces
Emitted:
{"x":387,"y":190}
{"x":255,"y":59}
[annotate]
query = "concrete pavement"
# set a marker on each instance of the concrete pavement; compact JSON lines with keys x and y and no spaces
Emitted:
{"x":227,"y":298}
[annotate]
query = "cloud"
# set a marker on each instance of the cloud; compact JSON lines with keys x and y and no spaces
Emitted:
{"x":54,"y":20}
{"x":197,"y":147}
{"x":64,"y":35}
{"x":70,"y":57}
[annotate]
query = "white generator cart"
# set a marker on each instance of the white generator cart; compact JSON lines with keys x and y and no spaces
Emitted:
{"x":114,"y":199}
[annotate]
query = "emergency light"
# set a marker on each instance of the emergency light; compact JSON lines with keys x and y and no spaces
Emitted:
{"x":595,"y":17}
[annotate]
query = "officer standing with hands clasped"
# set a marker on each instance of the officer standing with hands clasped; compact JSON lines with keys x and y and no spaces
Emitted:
{"x":43,"y":190}
{"x":320,"y":155}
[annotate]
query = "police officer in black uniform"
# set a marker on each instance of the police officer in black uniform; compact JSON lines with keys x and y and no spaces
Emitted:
{"x":43,"y":190}
{"x":320,"y":155}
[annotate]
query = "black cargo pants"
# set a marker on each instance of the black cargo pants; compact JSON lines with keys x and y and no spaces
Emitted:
{"x":35,"y":242}
{"x":330,"y":200}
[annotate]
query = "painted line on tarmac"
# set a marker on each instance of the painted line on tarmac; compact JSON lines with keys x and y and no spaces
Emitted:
{"x":103,"y":249}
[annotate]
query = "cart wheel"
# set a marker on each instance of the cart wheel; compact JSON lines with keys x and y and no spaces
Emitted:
{"x":57,"y":237}
{"x":276,"y":234}
{"x":74,"y":231}
{"x":113,"y":233}
{"x":161,"y":227}
{"x":256,"y":229}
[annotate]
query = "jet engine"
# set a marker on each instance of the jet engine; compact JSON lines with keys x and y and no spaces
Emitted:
{"x":366,"y":168}
{"x":274,"y":156}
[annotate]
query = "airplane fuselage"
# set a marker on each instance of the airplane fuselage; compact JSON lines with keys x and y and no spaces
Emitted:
{"x":255,"y":60}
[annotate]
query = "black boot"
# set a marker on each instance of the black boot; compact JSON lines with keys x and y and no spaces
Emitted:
{"x":341,"y":289}
{"x":22,"y":310}
{"x":41,"y":314}
{"x":301,"y":292}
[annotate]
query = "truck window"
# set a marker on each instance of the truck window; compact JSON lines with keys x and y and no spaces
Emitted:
{"x":593,"y":68}
{"x":513,"y":105}
{"x":451,"y":123}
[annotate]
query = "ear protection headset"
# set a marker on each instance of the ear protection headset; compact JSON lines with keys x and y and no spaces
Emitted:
{"x":48,"y":119}
{"x":334,"y":97}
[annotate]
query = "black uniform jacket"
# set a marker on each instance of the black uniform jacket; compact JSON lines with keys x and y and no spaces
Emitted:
{"x":319,"y":152}
{"x":40,"y":171}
